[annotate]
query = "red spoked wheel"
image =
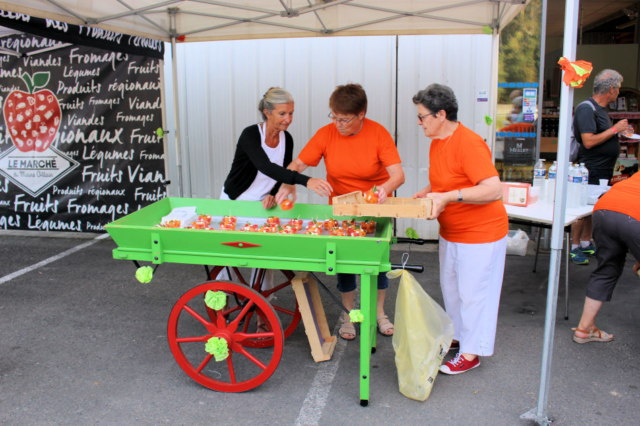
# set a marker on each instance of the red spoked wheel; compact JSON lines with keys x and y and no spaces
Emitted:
{"x":283,"y":302}
{"x":190,"y":327}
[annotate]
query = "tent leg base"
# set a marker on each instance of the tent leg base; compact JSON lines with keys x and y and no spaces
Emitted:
{"x":531,"y":415}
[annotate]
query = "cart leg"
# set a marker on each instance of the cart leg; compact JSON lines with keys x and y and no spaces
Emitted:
{"x":374,"y":310}
{"x":368,"y":307}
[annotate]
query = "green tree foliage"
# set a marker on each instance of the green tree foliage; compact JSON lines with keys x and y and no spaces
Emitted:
{"x":519,"y":59}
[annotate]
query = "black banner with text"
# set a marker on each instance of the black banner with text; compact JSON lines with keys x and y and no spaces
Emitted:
{"x":78,"y":140}
{"x":79,"y":35}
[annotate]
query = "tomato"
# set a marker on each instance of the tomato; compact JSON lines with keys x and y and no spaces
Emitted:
{"x":369,"y":226}
{"x":199,"y":224}
{"x":330,"y":223}
{"x":229,"y":219}
{"x":273,"y":220}
{"x":206,"y":218}
{"x":371,"y":196}
{"x":346,"y":224}
{"x":357,"y":232}
{"x":227,"y":226}
{"x":289,"y":229}
{"x":287,"y":204}
{"x":336,"y":231}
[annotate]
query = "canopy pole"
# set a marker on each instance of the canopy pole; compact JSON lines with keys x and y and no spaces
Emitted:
{"x":543,"y":40}
{"x":539,"y":414}
{"x":493,"y":85}
{"x":176,"y":100}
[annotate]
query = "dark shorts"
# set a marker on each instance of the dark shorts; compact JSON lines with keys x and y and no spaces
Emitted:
{"x":596,"y":174}
{"x":615,"y":234}
{"x":347,"y":282}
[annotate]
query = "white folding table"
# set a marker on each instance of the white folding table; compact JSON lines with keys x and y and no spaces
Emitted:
{"x":540,"y":215}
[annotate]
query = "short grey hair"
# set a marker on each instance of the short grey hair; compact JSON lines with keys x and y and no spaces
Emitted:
{"x":437,"y":97}
{"x":273,"y":97}
{"x":605,"y":80}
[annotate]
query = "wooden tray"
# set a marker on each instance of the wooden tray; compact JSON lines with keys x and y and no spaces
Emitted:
{"x":353,"y":204}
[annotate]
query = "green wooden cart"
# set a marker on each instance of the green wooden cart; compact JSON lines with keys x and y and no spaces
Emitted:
{"x":191,"y":323}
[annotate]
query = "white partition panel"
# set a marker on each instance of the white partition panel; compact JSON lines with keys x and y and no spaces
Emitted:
{"x":461,"y":62}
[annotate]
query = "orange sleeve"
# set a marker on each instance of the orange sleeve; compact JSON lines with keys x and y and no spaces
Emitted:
{"x":476,"y":159}
{"x":314,"y":150}
{"x":387,"y":150}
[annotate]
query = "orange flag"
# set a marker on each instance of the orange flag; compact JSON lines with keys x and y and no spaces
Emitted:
{"x":575,"y":73}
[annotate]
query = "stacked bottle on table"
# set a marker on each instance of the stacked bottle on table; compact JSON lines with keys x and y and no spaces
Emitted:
{"x":539,"y":178}
{"x":578,"y":181}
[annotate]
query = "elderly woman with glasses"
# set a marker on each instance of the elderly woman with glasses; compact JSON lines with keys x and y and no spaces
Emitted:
{"x":466,"y":191}
{"x":358,"y":154}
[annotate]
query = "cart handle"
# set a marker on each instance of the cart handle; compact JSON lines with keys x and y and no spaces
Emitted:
{"x":413,"y":268}
{"x":405,"y":240}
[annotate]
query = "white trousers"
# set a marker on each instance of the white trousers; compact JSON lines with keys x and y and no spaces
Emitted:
{"x":471,"y":280}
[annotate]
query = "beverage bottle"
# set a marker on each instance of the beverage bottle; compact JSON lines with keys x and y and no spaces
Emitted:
{"x":540,"y":177}
{"x":573,"y":187}
{"x":551,"y":184}
{"x":584,"y":193}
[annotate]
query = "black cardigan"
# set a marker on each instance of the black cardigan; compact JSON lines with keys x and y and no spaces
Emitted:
{"x":250,"y":157}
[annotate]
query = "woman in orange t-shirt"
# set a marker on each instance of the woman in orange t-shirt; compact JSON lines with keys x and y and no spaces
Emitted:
{"x":616,"y":231}
{"x":359,"y":154}
{"x":465,"y":190}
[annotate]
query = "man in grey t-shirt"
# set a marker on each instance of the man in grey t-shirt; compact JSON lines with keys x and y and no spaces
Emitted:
{"x":599,"y":149}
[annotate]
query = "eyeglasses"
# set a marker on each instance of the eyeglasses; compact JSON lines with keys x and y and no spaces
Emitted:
{"x":341,"y":120}
{"x":421,"y":117}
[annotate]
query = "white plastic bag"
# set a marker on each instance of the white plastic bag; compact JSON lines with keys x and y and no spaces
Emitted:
{"x":422,"y":337}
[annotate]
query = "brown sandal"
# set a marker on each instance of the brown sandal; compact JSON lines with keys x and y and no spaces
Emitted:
{"x":595,"y":335}
{"x":384,"y":325}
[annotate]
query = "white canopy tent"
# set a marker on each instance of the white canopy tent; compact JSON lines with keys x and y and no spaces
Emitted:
{"x":208,"y":20}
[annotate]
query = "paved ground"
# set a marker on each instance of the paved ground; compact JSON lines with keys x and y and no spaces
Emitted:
{"x":83,"y":343}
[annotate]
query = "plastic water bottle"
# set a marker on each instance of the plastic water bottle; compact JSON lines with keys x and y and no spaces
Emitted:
{"x":584,"y":193}
{"x":540,"y":177}
{"x":551,"y":182}
{"x":574,"y":186}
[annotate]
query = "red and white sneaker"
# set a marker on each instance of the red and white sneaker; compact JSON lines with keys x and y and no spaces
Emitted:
{"x":459,"y":365}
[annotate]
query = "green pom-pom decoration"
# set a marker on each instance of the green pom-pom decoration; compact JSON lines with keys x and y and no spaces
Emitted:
{"x":217,"y":347}
{"x":487,"y":30}
{"x":411,"y":233}
{"x":144,"y":274}
{"x":356,"y":316}
{"x":215,"y":300}
{"x":488,"y":120}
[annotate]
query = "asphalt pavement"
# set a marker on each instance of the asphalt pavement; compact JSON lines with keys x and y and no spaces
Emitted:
{"x":84,"y":343}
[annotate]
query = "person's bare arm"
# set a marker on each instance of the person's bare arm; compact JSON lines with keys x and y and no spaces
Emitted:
{"x":589,"y":140}
{"x":484,"y":192}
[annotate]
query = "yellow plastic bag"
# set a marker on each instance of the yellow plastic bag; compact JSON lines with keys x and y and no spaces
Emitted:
{"x":422,"y":337}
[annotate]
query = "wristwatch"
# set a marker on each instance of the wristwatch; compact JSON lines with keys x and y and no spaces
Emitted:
{"x":460,"y":195}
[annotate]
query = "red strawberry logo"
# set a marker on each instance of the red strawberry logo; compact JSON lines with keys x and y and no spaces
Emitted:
{"x":32,"y":118}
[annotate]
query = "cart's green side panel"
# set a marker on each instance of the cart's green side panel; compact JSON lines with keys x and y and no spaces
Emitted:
{"x":138,"y":238}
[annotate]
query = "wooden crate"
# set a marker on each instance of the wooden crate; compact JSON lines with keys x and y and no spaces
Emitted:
{"x":353,"y":204}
